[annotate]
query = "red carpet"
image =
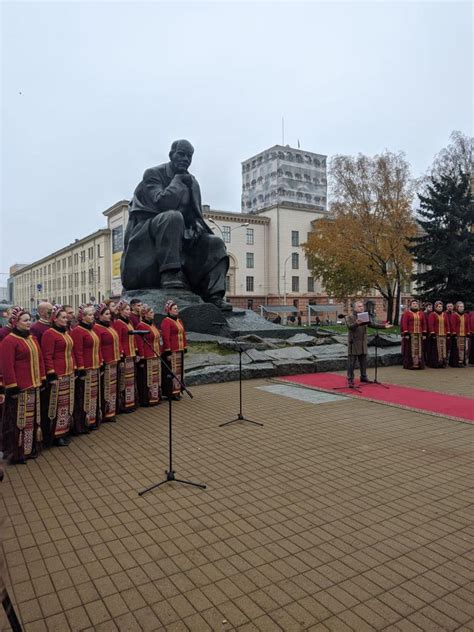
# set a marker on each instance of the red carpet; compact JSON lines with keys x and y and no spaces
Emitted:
{"x":452,"y":406}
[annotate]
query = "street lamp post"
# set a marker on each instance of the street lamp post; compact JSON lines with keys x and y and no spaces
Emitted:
{"x":245,"y":224}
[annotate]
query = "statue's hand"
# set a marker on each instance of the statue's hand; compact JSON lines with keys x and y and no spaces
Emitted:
{"x":186,"y":179}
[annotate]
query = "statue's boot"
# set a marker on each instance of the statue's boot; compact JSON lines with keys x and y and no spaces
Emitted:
{"x":221,"y":303}
{"x":173,"y":279}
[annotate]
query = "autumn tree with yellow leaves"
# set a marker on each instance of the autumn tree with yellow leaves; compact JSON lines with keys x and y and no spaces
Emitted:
{"x":364,"y":243}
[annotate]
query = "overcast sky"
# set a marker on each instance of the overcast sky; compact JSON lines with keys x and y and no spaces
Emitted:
{"x":94,"y":92}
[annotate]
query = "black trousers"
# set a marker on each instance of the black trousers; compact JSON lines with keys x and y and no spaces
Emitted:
{"x":351,"y":364}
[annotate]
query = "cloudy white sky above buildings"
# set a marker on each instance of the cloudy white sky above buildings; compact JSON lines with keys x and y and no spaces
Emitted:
{"x":94,"y":92}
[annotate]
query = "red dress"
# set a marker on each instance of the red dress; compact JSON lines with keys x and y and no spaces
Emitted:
{"x":413,"y":330}
{"x":127,"y":369}
{"x":22,"y":368}
{"x":57,"y":347}
{"x":439,"y":331}
{"x":174,"y":348}
{"x":459,"y":325}
{"x":87,"y":407}
{"x":4,"y":331}
{"x":110,"y":348}
{"x":471,"y":337}
{"x":149,"y":368}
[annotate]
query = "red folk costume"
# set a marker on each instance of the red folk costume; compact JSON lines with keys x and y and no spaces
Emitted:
{"x":127,"y":370}
{"x":87,"y":406}
{"x":438,"y":330}
{"x":471,"y":337}
{"x":174,"y":348}
{"x":458,"y":355}
{"x":39,"y":328}
{"x":110,"y":348}
{"x":57,"y":347}
{"x":149,"y":369}
{"x":4,"y":331}
{"x":413,"y":330}
{"x":22,"y":368}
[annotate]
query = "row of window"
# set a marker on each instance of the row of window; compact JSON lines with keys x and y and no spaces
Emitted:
{"x":295,"y":284}
{"x":299,"y":195}
{"x":249,"y":235}
{"x":288,"y":174}
{"x":70,"y":280}
{"x":73,"y":299}
{"x":62,"y":264}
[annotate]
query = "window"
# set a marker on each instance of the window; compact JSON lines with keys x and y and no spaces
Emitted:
{"x":249,"y":237}
{"x":295,"y":284}
{"x":91,"y":252}
{"x":295,"y":261}
{"x":226,"y":234}
{"x":249,"y":284}
{"x":91,"y":275}
{"x":250,"y":260}
{"x":83,"y":256}
{"x":98,"y":250}
{"x":76,"y":260}
{"x":98,"y":274}
{"x":227,"y":284}
{"x":69,"y":261}
{"x":310,"y":284}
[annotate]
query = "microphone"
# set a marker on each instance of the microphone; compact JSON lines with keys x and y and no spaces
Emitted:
{"x":340,"y":316}
{"x":140,"y":332}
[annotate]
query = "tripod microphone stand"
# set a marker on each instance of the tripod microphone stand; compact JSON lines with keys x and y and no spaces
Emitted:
{"x":375,"y":380}
{"x":170,"y":473}
{"x":240,"y":415}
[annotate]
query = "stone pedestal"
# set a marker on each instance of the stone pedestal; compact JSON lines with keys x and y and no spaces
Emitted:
{"x":196,"y":315}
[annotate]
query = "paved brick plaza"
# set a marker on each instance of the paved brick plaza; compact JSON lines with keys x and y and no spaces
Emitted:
{"x":337,"y":516}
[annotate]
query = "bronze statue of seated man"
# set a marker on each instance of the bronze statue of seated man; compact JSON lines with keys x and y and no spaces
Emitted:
{"x":167,"y":242}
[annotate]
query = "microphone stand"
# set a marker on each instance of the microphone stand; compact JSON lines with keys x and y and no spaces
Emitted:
{"x":170,"y":473}
{"x":240,"y":415}
{"x":375,"y":381}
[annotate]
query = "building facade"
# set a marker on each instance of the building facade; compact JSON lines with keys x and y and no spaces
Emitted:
{"x":76,"y":274}
{"x":284,"y":176}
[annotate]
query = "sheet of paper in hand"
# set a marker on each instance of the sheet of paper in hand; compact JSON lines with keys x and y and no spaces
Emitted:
{"x":364,"y":317}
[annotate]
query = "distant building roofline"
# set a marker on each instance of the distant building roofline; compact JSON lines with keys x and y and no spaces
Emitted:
{"x":284,"y":148}
{"x":115,"y":207}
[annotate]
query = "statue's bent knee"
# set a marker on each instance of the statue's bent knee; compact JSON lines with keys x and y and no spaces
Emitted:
{"x":169,"y":218}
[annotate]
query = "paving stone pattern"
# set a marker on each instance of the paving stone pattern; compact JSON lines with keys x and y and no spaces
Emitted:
{"x":340,"y":516}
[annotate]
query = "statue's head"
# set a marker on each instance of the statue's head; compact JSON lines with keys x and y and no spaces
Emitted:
{"x":181,"y":155}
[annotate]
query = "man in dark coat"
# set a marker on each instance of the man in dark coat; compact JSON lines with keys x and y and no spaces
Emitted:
{"x":167,"y":242}
{"x":357,"y":343}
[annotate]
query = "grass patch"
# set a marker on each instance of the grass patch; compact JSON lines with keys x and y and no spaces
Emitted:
{"x":208,"y":347}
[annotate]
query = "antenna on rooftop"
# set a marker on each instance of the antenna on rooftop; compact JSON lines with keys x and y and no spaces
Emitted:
{"x":282,"y":130}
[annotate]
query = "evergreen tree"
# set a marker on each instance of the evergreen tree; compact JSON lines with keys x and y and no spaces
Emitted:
{"x":447,"y":245}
